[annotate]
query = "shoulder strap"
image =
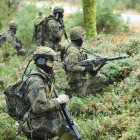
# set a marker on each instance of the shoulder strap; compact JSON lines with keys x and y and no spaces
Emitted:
{"x":45,"y":80}
{"x":42,"y":77}
{"x":46,"y":21}
{"x":65,"y":52}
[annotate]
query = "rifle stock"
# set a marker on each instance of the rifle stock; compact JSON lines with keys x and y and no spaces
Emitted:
{"x":68,"y":117}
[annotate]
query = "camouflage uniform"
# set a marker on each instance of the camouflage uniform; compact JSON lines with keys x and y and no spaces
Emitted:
{"x":53,"y":30}
{"x":79,"y":80}
{"x":39,"y":29}
{"x":43,"y":120}
{"x":13,"y":40}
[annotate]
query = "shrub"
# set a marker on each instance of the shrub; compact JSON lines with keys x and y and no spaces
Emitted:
{"x":8,"y":129}
{"x":75,"y":106}
{"x":77,"y":18}
{"x":107,"y":21}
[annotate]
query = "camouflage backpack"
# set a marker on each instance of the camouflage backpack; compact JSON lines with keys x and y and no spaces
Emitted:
{"x":15,"y":96}
{"x":50,"y":17}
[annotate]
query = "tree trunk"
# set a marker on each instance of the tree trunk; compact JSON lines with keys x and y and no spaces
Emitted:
{"x":89,"y":12}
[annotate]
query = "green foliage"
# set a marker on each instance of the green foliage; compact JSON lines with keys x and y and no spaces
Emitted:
{"x":107,"y":21}
{"x":26,"y":26}
{"x":77,"y":17}
{"x":6,"y":13}
{"x":76,"y":105}
{"x":131,"y":47}
{"x":8,"y":129}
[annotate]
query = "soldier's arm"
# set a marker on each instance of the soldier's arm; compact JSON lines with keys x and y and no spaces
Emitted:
{"x":37,"y":96}
{"x":55,"y":29}
{"x":71,"y":63}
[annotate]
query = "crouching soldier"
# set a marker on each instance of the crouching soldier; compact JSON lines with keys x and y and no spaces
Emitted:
{"x":79,"y":80}
{"x":12,"y":38}
{"x":43,"y":120}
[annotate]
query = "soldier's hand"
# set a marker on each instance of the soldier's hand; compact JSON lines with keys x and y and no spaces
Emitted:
{"x":63,"y":98}
{"x":89,"y":68}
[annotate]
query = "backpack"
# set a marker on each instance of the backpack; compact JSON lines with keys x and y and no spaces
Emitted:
{"x":16,"y":97}
{"x":16,"y":101}
{"x":47,"y":31}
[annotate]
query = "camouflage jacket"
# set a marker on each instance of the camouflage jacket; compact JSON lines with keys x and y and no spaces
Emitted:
{"x":73,"y":55}
{"x":53,"y":33}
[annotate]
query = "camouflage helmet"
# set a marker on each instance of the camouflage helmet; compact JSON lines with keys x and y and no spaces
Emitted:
{"x":77,"y":33}
{"x":58,"y":9}
{"x":45,"y":52}
{"x":13,"y":24}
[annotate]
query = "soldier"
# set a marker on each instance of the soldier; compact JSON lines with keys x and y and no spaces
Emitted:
{"x":13,"y":40}
{"x":39,"y":29}
{"x":53,"y":30}
{"x":79,"y":80}
{"x":43,"y":120}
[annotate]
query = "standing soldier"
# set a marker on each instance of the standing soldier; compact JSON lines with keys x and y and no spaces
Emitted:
{"x":43,"y":120}
{"x":39,"y":29}
{"x":13,"y":40}
{"x":79,"y":79}
{"x":53,"y":29}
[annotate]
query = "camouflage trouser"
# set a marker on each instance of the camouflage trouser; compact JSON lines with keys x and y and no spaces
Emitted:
{"x":46,"y":129}
{"x":83,"y":87}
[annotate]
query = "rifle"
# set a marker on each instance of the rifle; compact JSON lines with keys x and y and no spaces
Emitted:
{"x":98,"y":61}
{"x":68,"y":117}
{"x":63,"y":28}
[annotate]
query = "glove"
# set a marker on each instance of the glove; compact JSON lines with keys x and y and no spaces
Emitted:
{"x":89,"y":68}
{"x":93,"y":73}
{"x":63,"y":99}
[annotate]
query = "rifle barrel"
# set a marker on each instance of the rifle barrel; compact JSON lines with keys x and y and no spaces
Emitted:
{"x":115,"y":58}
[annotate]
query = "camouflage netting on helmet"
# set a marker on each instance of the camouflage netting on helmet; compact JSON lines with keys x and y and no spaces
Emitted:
{"x":13,"y":24}
{"x":76,"y":33}
{"x":58,"y":9}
